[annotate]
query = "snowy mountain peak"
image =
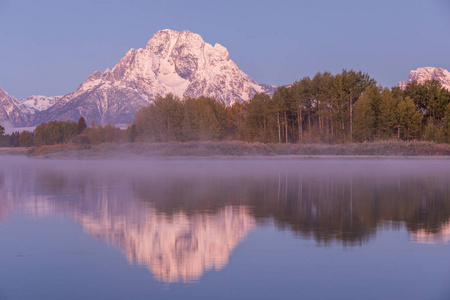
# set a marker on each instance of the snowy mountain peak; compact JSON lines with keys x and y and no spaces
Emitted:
{"x":428,"y":73}
{"x":181,"y":63}
{"x":17,"y":112}
{"x":11,"y":111}
{"x":38,"y":102}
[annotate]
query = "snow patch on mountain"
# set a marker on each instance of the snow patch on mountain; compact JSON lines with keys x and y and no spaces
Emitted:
{"x":11,"y":111}
{"x":428,"y":73}
{"x":38,"y":102}
{"x":15,"y":113}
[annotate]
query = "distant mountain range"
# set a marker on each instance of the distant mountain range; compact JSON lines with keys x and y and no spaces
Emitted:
{"x":174,"y":62}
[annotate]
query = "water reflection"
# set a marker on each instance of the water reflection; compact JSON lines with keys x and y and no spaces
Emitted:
{"x":425,"y":237}
{"x":181,"y":219}
{"x":176,"y":249}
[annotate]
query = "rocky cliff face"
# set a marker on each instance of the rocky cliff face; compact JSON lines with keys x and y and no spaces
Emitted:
{"x":38,"y":103}
{"x":11,"y":111}
{"x":20,"y":112}
{"x":424,"y":74}
{"x":174,"y":62}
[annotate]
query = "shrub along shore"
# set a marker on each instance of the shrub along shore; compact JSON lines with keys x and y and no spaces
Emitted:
{"x":242,"y":149}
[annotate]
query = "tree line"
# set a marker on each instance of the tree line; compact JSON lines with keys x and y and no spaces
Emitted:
{"x":346,"y":107}
{"x":62,"y":132}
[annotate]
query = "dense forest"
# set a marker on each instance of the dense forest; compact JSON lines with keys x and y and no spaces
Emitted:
{"x":341,"y":108}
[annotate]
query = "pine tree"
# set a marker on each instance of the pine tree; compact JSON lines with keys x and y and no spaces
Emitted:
{"x":26,"y":139}
{"x":447,"y":123}
{"x":133,"y":133}
{"x":364,"y":119}
{"x":409,"y":120}
{"x":387,"y":122}
{"x":81,"y":125}
{"x":263,"y":119}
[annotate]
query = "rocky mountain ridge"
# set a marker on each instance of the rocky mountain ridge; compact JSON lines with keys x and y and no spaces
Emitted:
{"x":174,"y":62}
{"x":428,"y":73}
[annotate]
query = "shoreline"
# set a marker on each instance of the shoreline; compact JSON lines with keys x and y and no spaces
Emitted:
{"x":14,"y":150}
{"x":237,"y":149}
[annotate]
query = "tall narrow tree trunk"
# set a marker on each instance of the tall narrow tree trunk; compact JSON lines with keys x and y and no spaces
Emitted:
{"x":168,"y":128}
{"x":309,"y":121}
{"x":286,"y":126}
{"x":300,"y":127}
{"x":320,"y":123}
{"x":279,"y":128}
{"x":332,"y":127}
{"x":351,"y":119}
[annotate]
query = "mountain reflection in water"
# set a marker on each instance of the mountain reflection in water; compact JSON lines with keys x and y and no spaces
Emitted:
{"x":182,"y":218}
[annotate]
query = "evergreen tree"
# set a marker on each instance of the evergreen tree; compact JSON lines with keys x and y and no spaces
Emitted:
{"x":133,"y":133}
{"x":447,"y":123}
{"x":364,"y":121}
{"x":14,"y":139}
{"x":430,"y":98}
{"x":387,"y":123}
{"x":345,"y":90}
{"x":282,"y":99}
{"x":204,"y":118}
{"x":235,"y":122}
{"x":162,"y":120}
{"x":262,"y":119}
{"x":81,"y":125}
{"x":409,"y":120}
{"x":26,"y":139}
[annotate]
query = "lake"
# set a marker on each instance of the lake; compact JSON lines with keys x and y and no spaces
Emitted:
{"x":236,"y":228}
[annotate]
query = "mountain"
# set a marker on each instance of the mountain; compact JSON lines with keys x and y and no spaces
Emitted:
{"x":38,"y":102}
{"x":174,"y":62}
{"x":11,"y":111}
{"x":18,"y":112}
{"x":429,"y":73}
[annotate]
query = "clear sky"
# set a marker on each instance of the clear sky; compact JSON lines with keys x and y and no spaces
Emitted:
{"x":50,"y":47}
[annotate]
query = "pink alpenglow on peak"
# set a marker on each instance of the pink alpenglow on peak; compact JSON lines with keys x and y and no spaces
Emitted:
{"x":181,"y":63}
{"x":429,"y":73}
{"x":174,"y":62}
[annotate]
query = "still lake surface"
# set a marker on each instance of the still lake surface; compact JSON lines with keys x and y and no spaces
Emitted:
{"x":225,"y":229}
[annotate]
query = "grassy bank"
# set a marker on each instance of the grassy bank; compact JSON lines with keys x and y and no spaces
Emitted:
{"x":237,"y":148}
{"x":13,"y":151}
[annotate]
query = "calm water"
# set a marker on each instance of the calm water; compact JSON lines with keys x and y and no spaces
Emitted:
{"x":231,"y":229}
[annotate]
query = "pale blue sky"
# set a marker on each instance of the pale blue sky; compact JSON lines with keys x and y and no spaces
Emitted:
{"x":50,"y":47}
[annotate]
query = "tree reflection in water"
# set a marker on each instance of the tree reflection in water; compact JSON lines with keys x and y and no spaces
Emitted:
{"x":180,"y":222}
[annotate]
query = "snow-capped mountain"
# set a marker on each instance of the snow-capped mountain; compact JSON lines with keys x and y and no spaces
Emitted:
{"x":18,"y":112}
{"x":38,"y":102}
{"x":174,"y":62}
{"x":11,"y":111}
{"x":429,"y":73}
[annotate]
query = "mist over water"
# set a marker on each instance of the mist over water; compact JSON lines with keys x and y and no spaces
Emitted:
{"x":243,"y":228}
